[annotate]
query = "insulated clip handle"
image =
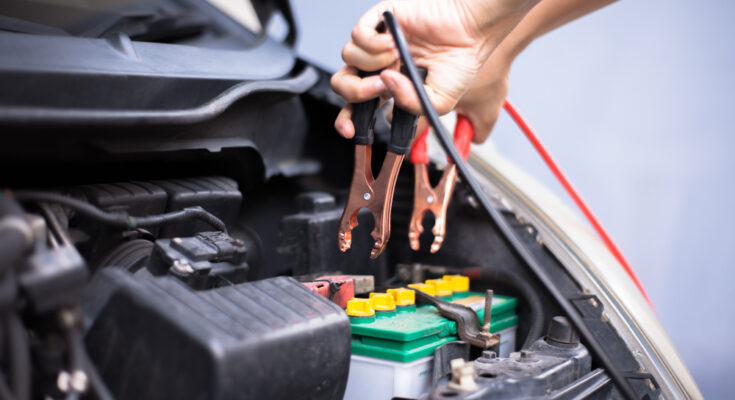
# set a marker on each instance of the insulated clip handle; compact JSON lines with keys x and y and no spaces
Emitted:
{"x":404,"y":123}
{"x":463,"y":135}
{"x":363,"y":116}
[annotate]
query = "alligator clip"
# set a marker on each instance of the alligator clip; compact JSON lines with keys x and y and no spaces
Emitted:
{"x":435,"y":199}
{"x":365,"y":191}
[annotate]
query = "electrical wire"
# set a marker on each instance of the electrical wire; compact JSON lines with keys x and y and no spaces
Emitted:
{"x":79,"y":361}
{"x":120,"y":219}
{"x":55,"y":225}
{"x":562,"y":178}
{"x":507,"y":233}
{"x":20,"y":358}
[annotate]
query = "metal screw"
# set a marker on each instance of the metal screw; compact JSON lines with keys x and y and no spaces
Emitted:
{"x":182,"y":267}
{"x":366,"y":196}
{"x":593,"y":302}
{"x":429,"y":199}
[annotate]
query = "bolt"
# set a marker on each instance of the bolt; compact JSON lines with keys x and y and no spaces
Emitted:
{"x":366,"y":196}
{"x":489,"y":354}
{"x":526,"y":356}
{"x":182,"y":267}
{"x":429,"y":199}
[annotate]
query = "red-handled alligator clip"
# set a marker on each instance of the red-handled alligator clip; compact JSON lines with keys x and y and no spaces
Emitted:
{"x":365,"y":191}
{"x":435,"y":199}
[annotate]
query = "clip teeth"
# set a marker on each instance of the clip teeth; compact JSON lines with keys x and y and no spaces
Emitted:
{"x":413,"y":238}
{"x":377,"y":249}
{"x":345,"y":241}
{"x":437,"y":244}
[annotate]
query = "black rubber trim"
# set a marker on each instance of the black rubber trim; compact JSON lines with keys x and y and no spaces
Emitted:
{"x":298,"y":84}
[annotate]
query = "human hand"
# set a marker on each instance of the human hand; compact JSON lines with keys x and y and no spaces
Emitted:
{"x":452,"y":39}
{"x":483,"y":100}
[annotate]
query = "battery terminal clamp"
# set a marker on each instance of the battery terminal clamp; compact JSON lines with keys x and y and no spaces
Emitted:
{"x":468,"y":323}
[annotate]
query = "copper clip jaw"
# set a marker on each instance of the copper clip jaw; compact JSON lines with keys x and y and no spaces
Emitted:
{"x":374,"y":194}
{"x":436,"y":200}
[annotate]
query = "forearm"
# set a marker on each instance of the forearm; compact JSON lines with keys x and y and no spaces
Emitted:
{"x":546,"y":16}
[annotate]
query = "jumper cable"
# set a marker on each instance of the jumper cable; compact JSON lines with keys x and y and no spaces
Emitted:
{"x":554,"y":167}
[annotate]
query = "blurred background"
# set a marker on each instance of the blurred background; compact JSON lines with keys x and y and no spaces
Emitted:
{"x":634,"y":101}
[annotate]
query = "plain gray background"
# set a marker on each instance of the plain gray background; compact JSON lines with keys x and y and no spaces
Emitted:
{"x":635,"y":102}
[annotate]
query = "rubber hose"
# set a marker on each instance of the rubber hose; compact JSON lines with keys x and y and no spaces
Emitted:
{"x":120,"y":219}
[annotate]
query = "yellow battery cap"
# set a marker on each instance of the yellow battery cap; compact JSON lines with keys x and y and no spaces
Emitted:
{"x":403,"y":296}
{"x":460,"y":283}
{"x":360,"y":308}
{"x":382,"y":302}
{"x":428,"y":289}
{"x":443,"y":288}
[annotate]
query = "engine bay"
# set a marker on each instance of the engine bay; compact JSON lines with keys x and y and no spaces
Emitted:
{"x":268,"y":307}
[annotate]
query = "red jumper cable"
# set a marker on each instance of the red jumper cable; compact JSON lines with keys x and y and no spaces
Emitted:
{"x":575,"y":195}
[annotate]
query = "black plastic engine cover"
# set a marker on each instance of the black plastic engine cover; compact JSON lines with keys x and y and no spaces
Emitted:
{"x":271,"y":339}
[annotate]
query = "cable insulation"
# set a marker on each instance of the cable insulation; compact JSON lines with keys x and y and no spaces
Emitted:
{"x":559,"y":174}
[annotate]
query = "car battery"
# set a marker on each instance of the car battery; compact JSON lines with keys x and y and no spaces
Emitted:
{"x":393,"y":339}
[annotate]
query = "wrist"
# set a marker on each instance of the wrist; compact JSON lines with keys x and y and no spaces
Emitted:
{"x":492,"y":22}
{"x":494,"y":18}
